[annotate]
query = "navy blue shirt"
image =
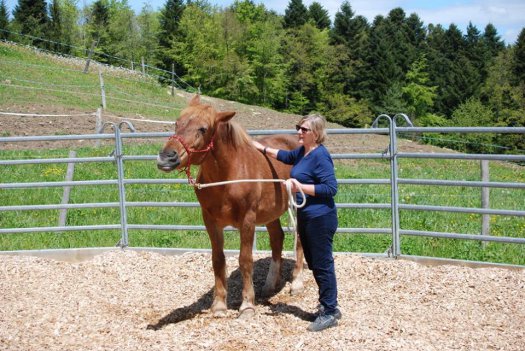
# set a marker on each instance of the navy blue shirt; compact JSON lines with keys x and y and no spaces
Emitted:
{"x":315,"y":168}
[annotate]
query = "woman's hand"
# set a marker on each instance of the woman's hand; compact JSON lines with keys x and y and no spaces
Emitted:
{"x":294,"y":184}
{"x":258,"y":145}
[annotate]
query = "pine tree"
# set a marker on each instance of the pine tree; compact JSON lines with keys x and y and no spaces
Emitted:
{"x":98,"y":23}
{"x":4,"y":21}
{"x":492,"y":40}
{"x":518,"y":63}
{"x":55,"y":26}
{"x":342,"y":31}
{"x":31,"y":17}
{"x":169,"y":20}
{"x":319,"y":15}
{"x":295,"y":15}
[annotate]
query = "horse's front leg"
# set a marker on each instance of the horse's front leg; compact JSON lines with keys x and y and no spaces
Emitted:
{"x":247,"y":231}
{"x":216,"y":234}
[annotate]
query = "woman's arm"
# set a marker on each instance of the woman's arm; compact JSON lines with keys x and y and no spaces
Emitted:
{"x":266,"y":150}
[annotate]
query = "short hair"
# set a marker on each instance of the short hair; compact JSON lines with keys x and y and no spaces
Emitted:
{"x":317,"y":125}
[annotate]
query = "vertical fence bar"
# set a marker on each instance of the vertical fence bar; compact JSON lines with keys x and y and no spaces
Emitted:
{"x":122,"y":194}
{"x":485,"y":197}
{"x":396,"y":240}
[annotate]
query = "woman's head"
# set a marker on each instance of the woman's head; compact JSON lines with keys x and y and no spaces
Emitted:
{"x":316,"y":124}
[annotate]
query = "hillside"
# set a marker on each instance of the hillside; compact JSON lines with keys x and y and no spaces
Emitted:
{"x":32,"y":82}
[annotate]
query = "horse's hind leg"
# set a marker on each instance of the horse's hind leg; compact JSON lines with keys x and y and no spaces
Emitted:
{"x":216,"y":235}
{"x":297,"y":285}
{"x":273,"y":278}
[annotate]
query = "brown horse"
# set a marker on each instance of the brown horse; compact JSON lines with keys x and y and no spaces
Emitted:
{"x":224,"y":152}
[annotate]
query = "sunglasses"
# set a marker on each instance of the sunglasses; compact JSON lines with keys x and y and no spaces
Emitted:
{"x":302,"y":129}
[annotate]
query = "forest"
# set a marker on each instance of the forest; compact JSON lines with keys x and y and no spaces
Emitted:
{"x":348,"y":69}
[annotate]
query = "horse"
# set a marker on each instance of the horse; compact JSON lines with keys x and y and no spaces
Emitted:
{"x":224,"y":152}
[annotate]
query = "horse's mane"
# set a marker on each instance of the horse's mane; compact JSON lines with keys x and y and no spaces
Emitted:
{"x":234,"y":134}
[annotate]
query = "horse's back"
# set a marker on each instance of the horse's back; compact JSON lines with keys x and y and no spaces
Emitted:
{"x":280,"y":141}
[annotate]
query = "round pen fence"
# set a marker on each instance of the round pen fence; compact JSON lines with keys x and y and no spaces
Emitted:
{"x":121,"y":158}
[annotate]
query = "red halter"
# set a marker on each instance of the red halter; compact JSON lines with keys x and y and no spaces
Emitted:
{"x":189,"y":151}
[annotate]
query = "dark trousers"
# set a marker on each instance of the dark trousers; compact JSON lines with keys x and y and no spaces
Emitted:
{"x":317,"y":236}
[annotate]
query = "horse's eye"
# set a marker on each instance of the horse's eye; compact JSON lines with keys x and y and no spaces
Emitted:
{"x":202,"y":130}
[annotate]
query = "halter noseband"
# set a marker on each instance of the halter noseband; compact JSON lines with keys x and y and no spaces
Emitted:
{"x":190,"y":151}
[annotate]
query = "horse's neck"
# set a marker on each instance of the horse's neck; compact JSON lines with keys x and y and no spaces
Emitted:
{"x":224,"y":162}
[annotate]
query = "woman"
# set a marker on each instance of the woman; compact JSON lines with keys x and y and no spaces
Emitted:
{"x":313,"y":173}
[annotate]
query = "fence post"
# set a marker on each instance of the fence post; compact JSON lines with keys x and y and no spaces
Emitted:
{"x":143,"y":66}
{"x":485,"y":198}
{"x":62,"y":217}
{"x":90,"y":53}
{"x":102,"y":89}
{"x":98,"y":125}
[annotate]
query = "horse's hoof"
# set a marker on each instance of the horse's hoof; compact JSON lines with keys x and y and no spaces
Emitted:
{"x":219,"y":314}
{"x":296,"y":288}
{"x":218,"y":309}
{"x":247,"y":313}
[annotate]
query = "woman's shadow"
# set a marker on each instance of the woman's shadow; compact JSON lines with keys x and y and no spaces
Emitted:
{"x":260,"y":270}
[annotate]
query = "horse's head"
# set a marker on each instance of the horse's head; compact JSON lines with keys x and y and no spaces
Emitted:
{"x":195,"y":131}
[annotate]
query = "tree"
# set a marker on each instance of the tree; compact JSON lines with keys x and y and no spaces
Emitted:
{"x":148,"y":23}
{"x":4,"y":21}
{"x":31,"y":18}
{"x":295,"y":15}
{"x":518,"y":61}
{"x":492,"y":40}
{"x":70,"y":34}
{"x":319,"y":15}
{"x":343,"y":30}
{"x":418,"y":95}
{"x":473,"y":113}
{"x":307,"y":53}
{"x":55,"y":26}
{"x":97,"y":26}
{"x":169,"y":20}
{"x":123,"y":33}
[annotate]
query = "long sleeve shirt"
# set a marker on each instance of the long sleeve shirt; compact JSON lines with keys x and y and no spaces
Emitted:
{"x":316,"y":168}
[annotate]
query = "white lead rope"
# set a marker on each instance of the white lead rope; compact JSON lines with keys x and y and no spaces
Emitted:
{"x":292,"y":204}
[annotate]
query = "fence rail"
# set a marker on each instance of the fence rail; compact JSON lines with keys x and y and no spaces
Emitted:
{"x":393,"y":181}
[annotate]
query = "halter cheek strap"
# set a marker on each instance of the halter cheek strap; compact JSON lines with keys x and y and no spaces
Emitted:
{"x":190,"y":151}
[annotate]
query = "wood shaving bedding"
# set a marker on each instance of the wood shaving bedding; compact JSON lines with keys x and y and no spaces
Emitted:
{"x":129,"y":300}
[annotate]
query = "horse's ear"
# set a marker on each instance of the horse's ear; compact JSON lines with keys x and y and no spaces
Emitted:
{"x":225,"y":116}
{"x":195,"y":100}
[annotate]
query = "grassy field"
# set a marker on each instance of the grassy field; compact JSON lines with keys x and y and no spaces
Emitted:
{"x":41,"y":79}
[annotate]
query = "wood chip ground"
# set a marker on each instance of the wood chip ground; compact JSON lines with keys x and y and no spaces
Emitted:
{"x":128,"y":300}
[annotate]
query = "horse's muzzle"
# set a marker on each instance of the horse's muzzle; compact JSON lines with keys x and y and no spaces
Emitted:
{"x":168,"y":161}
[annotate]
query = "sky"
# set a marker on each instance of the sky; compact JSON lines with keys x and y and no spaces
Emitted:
{"x":508,"y":16}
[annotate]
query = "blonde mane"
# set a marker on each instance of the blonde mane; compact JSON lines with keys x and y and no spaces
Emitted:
{"x":234,"y":134}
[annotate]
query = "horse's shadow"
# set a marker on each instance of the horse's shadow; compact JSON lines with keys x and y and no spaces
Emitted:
{"x":260,"y":270}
